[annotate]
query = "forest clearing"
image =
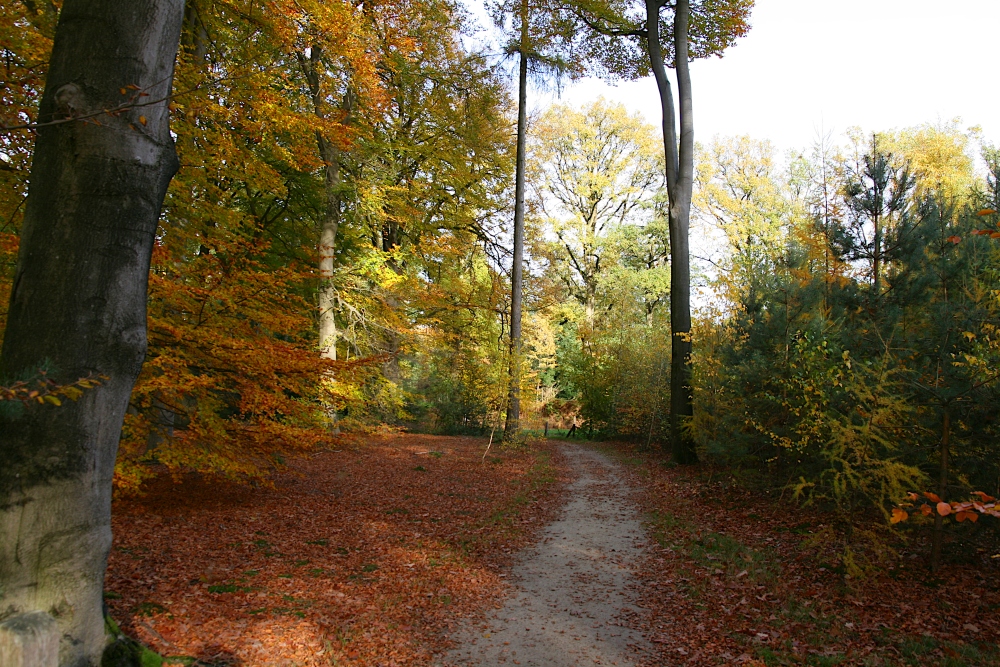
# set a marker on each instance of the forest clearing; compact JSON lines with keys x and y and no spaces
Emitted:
{"x":447,"y":332}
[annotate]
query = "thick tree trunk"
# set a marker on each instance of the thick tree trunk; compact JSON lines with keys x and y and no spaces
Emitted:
{"x":78,"y":305}
{"x":512,"y":425}
{"x":680,"y":181}
{"x":330,"y":153}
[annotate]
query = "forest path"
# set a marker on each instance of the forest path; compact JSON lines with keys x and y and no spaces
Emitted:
{"x":571,"y":604}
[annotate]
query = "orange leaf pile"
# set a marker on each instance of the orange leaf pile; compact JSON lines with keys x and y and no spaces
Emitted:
{"x":359,"y":556}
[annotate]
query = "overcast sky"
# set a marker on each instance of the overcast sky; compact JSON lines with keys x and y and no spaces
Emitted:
{"x":807,"y":64}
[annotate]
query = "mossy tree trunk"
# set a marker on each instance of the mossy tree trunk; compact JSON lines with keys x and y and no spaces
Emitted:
{"x":78,"y":304}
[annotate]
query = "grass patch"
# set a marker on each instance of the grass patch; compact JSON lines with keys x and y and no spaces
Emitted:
{"x":721,"y":552}
{"x":668,"y":529}
{"x":229,"y":588}
{"x":714,"y":551}
{"x":149,"y":608}
{"x":179,"y":660}
{"x":918,"y":651}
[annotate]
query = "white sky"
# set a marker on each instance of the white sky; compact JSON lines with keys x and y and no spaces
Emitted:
{"x":807,"y":64}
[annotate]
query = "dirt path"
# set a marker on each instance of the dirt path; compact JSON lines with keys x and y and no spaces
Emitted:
{"x":571,"y":604}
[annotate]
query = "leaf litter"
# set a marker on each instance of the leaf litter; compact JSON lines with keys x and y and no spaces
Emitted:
{"x":744,"y":579}
{"x":373,"y":555}
{"x":364,"y":556}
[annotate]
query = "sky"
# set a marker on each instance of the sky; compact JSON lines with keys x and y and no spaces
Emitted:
{"x":812,"y":66}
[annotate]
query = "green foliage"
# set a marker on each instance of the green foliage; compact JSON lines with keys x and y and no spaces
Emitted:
{"x":849,"y":366}
{"x":598,"y":226}
{"x":623,"y":376}
{"x":123,"y":651}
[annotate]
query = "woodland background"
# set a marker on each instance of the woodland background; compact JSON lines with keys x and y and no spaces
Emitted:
{"x":846,"y":347}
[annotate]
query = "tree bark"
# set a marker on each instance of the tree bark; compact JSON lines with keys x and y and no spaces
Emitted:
{"x":942,"y":487}
{"x":327,"y":249}
{"x":330,"y":153}
{"x":680,"y":181}
{"x":512,"y":425}
{"x":78,"y":305}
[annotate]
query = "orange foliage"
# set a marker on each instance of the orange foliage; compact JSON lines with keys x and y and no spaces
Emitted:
{"x":25,"y":42}
{"x":963,"y":511}
{"x":233,"y":382}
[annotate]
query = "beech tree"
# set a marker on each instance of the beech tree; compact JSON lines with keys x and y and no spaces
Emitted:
{"x":78,"y":304}
{"x":634,"y":39}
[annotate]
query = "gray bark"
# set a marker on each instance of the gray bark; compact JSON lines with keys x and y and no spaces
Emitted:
{"x":512,"y":425}
{"x":331,"y":156}
{"x":680,"y":181}
{"x":327,"y":250}
{"x":78,"y":306}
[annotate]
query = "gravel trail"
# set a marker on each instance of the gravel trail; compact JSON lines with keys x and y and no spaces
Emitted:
{"x":571,"y":604}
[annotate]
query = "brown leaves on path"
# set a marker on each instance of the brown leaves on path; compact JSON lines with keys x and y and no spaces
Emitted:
{"x":361,"y":556}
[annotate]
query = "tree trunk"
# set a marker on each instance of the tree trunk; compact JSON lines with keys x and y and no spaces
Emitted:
{"x":330,"y":153}
{"x":512,"y":425}
{"x":680,"y":181}
{"x":942,"y":488}
{"x":78,"y":305}
{"x":327,"y":249}
{"x":877,"y":260}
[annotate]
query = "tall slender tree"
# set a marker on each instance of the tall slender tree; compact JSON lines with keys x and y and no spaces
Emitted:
{"x":512,"y":424}
{"x":544,"y":37}
{"x":635,"y":39}
{"x":78,"y":305}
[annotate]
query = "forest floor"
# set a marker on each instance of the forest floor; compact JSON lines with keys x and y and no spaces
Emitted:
{"x":741,"y":578}
{"x":574,"y":598}
{"x":364,"y":556}
{"x":401,"y":550}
